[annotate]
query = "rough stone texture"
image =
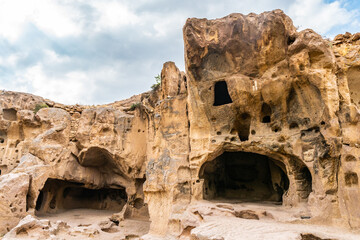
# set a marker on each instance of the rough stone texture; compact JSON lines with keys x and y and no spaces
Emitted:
{"x":32,"y":228}
{"x":73,"y":144}
{"x":247,"y":214}
{"x":285,"y":101}
{"x":13,"y":191}
{"x":263,"y":113}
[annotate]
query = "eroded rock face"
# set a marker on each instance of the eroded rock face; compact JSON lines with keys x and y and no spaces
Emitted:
{"x":14,"y":188}
{"x":263,"y":113}
{"x":70,"y":157}
{"x":258,"y":86}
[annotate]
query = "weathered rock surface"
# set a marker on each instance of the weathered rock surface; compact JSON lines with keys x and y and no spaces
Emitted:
{"x":13,"y":190}
{"x":263,"y":114}
{"x":32,"y":228}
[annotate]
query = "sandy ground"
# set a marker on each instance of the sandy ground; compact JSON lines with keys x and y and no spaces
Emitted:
{"x":280,"y":223}
{"x":229,"y":228}
{"x":84,"y":225}
{"x":218,"y":220}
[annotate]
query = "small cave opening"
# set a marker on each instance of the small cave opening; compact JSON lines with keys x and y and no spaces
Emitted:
{"x":221,"y":94}
{"x":350,"y":158}
{"x":265,"y":113}
{"x":242,"y":126}
{"x":9,"y":114}
{"x":95,"y":157}
{"x":3,"y":136}
{"x":60,"y":195}
{"x":293,"y":125}
{"x":291,"y":40}
{"x":244,"y":176}
{"x":351,"y":179}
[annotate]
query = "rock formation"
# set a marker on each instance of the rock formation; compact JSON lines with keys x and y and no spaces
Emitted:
{"x":263,"y":114}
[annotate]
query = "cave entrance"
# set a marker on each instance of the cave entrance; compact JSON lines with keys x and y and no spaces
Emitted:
{"x":59,"y":195}
{"x":221,"y":94}
{"x":244,"y":176}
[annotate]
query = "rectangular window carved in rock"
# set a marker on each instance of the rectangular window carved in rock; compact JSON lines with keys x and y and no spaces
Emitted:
{"x":221,"y":94}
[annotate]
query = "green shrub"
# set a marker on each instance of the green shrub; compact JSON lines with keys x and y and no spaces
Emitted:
{"x":40,"y":106}
{"x":156,"y":85}
{"x":134,"y":106}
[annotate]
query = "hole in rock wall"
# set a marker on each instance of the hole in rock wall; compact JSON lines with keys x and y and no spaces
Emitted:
{"x":351,"y":179}
{"x":293,"y":125}
{"x":221,"y":94}
{"x":291,"y":40}
{"x":276,"y":129}
{"x":3,"y":136}
{"x":95,"y":157}
{"x":244,"y":176}
{"x":59,"y":195}
{"x":9,"y":114}
{"x":265,"y":113}
{"x":242,"y":126}
{"x":350,"y":158}
{"x":266,"y":119}
{"x":3,"y":169}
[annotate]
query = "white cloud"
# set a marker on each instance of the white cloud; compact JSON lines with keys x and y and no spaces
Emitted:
{"x":318,"y":15}
{"x":51,"y":17}
{"x":12,"y":59}
{"x":56,"y":18}
{"x":72,"y":87}
{"x":162,"y":28}
{"x":54,"y":58}
{"x":112,"y":15}
{"x":13,"y":17}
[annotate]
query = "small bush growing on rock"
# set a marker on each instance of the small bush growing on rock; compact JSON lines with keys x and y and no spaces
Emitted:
{"x":134,"y":106}
{"x":156,"y":85}
{"x":40,"y":106}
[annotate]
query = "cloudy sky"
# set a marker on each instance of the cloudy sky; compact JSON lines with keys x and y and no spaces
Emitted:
{"x":100,"y":51}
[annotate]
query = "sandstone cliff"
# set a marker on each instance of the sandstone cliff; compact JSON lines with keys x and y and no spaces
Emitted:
{"x":263,"y":114}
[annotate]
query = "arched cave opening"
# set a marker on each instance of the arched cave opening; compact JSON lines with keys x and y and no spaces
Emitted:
{"x":221,"y":94}
{"x":244,"y":176}
{"x":59,"y":195}
{"x":95,"y":157}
